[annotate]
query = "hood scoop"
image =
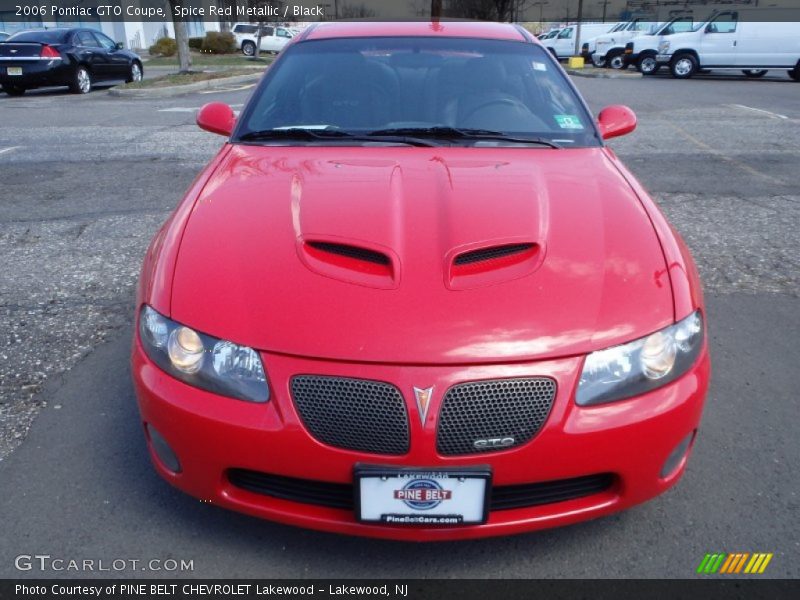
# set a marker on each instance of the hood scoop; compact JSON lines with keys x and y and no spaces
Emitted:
{"x":352,"y":262}
{"x":491,"y":253}
{"x":492,"y":264}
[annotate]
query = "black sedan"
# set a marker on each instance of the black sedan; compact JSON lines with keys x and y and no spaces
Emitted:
{"x":77,"y":58}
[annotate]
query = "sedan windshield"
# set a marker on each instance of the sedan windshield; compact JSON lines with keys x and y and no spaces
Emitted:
{"x":417,"y":90}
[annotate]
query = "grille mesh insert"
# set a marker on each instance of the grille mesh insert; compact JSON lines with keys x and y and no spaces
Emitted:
{"x":355,"y":252}
{"x":354,"y":414}
{"x":500,"y":408}
{"x":473,"y":256}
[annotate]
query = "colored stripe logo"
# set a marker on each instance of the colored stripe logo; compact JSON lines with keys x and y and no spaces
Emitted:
{"x":735,"y":563}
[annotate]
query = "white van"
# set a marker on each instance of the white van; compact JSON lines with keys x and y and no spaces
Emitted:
{"x":610,"y":48}
{"x":273,"y":39}
{"x":563,"y":44}
{"x":641,"y":51}
{"x":746,"y":39}
{"x":588,"y":47}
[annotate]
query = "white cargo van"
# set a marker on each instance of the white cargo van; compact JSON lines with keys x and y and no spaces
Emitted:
{"x":751,"y":40}
{"x":641,"y":51}
{"x":588,"y":47}
{"x":610,"y":47}
{"x":563,"y":44}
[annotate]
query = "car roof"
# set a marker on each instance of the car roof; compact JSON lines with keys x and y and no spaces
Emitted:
{"x":464,"y":29}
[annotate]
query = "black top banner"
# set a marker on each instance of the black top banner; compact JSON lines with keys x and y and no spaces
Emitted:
{"x":53,"y":12}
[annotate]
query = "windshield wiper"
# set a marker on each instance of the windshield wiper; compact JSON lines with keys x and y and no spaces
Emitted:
{"x":457,"y":133}
{"x":300,"y":133}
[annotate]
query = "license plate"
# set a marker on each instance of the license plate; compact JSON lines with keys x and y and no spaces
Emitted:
{"x":14,"y":70}
{"x":422,"y":496}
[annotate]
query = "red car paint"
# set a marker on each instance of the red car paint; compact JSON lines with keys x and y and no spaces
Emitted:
{"x":603,"y":267}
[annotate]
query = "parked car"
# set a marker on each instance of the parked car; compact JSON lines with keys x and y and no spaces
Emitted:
{"x":76,"y":57}
{"x":563,"y":44}
{"x":415,"y":296}
{"x":273,"y":39}
{"x":588,"y":47}
{"x":743,"y":39}
{"x":641,"y":51}
{"x":610,"y":47}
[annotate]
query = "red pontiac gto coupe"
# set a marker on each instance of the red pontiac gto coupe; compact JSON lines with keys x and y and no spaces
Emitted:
{"x":415,"y":296}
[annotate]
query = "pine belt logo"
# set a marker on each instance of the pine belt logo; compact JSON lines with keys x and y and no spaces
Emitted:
{"x":422,"y":494}
{"x":737,"y":563}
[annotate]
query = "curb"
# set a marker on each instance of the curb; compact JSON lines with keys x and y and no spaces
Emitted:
{"x":604,"y":74}
{"x":177,"y":90}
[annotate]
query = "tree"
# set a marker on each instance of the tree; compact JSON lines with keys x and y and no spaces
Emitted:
{"x":181,"y":38}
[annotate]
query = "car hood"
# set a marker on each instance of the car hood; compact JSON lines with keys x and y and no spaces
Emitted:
{"x":352,"y":253}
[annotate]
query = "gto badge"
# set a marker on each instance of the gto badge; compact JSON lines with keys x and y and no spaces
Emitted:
{"x":423,"y":397}
{"x":503,"y":442}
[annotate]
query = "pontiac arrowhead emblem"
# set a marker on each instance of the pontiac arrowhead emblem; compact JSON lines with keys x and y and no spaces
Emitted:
{"x":423,"y":397}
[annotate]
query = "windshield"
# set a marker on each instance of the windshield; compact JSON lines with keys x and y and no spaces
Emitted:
{"x":47,"y":37}
{"x":418,"y":86}
{"x":680,"y":25}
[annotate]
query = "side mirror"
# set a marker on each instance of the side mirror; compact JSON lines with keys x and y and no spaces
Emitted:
{"x":216,"y":117}
{"x":615,"y":121}
{"x":119,"y":45}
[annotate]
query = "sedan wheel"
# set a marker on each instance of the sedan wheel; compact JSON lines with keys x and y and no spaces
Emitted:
{"x":755,"y":73}
{"x":135,"y":73}
{"x":82,"y":81}
{"x":248,"y":48}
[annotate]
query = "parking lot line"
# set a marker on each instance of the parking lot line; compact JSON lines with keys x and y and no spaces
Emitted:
{"x":772,"y":115}
{"x":744,"y":167}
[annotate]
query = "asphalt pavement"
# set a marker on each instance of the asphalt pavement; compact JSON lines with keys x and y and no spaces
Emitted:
{"x":86,"y":180}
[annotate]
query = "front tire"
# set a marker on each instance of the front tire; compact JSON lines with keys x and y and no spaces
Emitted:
{"x":616,"y":61}
{"x":683,"y":66}
{"x":248,"y":49}
{"x":135,"y":73}
{"x":647,"y":65}
{"x":754,"y":73}
{"x":13,"y":90}
{"x":81,"y":81}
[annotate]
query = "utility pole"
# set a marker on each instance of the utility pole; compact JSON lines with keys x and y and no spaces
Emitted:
{"x":436,"y":10}
{"x":578,"y":29}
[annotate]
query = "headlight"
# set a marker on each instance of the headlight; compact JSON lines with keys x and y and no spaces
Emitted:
{"x":203,"y":361}
{"x":642,"y":365}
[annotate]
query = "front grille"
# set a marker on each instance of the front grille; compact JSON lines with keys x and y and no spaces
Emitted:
{"x":305,"y":491}
{"x":512,"y":410}
{"x":354,"y":414}
{"x":349,"y":251}
{"x":490,"y":253}
{"x":548,"y":492}
{"x":340,"y":495}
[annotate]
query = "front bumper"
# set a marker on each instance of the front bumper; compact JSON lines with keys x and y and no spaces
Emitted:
{"x":211,"y":435}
